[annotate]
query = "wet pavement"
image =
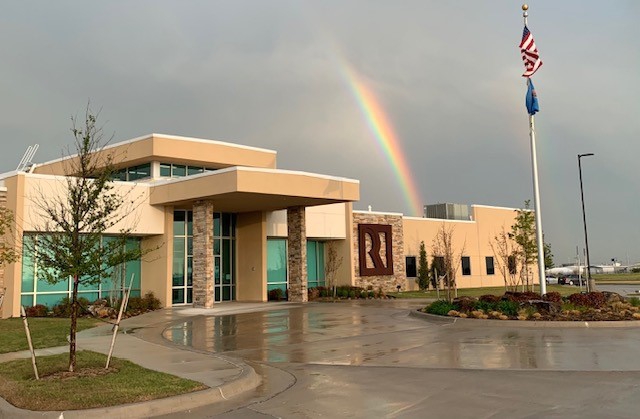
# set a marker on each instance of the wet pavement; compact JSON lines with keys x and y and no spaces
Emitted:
{"x":373,"y":360}
{"x":361,"y":335}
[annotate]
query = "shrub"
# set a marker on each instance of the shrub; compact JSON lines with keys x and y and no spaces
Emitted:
{"x":352,"y":294}
{"x":554,"y":297}
{"x":38,"y":310}
{"x":510,"y":308}
{"x":152,"y":302}
{"x":590,"y":299}
{"x":275,"y":295}
{"x":486,"y":306}
{"x":466,"y":304}
{"x":634,"y":301}
{"x":313,"y":293}
{"x":63,"y":308}
{"x":489,"y":298}
{"x":440,"y":307}
{"x":371,"y":294}
{"x":520,"y":296}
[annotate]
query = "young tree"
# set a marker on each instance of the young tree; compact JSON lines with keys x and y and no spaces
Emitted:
{"x":8,"y":253}
{"x":69,"y":242}
{"x":423,"y":268}
{"x":443,"y":247}
{"x":332,"y":265}
{"x":548,"y":256}
{"x":523,"y":232}
{"x":504,"y":250}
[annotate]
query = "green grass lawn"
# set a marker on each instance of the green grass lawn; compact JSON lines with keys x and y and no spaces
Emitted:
{"x":477,"y":292}
{"x":45,"y":332}
{"x":89,"y":387}
{"x":622,"y":277}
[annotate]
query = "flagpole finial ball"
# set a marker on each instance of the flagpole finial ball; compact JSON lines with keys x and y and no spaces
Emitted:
{"x":525,"y":7}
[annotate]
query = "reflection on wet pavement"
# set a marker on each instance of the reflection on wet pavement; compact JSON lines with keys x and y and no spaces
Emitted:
{"x":357,"y":334}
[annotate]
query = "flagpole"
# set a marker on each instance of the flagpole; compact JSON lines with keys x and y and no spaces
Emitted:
{"x":536,"y":189}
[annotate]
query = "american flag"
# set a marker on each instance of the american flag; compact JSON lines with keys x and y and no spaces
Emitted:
{"x":530,"y":56}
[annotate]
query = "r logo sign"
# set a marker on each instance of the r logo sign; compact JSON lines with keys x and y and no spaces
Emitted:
{"x":374,"y":243}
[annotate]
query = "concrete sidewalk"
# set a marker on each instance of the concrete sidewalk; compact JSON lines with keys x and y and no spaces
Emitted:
{"x":141,"y":342}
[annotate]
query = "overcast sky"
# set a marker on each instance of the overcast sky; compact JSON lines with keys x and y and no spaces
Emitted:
{"x":270,"y":74}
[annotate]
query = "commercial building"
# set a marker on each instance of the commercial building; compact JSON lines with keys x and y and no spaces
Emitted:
{"x":227,"y":225}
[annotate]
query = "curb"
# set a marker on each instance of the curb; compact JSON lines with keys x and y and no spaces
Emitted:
{"x":247,"y":380}
{"x":526,"y":323}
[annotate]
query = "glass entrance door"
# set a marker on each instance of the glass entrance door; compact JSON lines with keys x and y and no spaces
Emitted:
{"x":224,"y":257}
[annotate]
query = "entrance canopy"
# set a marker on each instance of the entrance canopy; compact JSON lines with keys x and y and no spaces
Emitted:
{"x":247,"y":189}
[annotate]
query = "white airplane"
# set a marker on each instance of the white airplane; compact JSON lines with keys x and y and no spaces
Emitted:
{"x":563,"y":270}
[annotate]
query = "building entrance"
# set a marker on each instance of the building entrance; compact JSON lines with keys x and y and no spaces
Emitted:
{"x":224,"y":226}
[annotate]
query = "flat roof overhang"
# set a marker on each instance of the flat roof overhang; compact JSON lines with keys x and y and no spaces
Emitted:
{"x":245,"y":189}
{"x":171,"y":149}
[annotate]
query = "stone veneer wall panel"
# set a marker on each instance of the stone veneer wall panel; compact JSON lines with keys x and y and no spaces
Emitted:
{"x":387,"y":283}
{"x":297,"y":252}
{"x":203,"y":254}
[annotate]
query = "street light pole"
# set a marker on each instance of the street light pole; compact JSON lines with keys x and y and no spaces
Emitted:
{"x":591,"y":284}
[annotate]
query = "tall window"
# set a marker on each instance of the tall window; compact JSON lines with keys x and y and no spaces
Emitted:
{"x":411,"y":268}
{"x":512,"y":264}
{"x":182,"y":276}
{"x":36,"y":290}
{"x":223,"y":257}
{"x":277,"y":264}
{"x":466,"y":265}
{"x":490,"y":267}
{"x":315,"y":264}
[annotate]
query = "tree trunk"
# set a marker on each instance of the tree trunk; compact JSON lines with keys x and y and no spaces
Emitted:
{"x":74,"y":324}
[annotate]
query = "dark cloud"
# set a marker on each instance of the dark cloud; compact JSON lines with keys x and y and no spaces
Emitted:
{"x":270,"y":74}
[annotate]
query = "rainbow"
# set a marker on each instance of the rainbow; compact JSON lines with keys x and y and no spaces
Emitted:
{"x":385,"y":137}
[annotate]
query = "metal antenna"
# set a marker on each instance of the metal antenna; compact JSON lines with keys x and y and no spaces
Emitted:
{"x":25,"y":163}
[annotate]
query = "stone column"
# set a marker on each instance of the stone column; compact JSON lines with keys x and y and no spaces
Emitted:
{"x":297,"y":254}
{"x":203,"y":296}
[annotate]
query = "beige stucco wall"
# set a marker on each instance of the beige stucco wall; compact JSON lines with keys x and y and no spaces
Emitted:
{"x":251,"y":263}
{"x":156,"y":269}
{"x":141,"y":217}
{"x":322,"y":222}
{"x":472,"y":236}
{"x":12,"y":272}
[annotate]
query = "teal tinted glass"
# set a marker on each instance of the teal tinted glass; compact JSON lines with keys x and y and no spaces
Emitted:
{"x":44,"y":286}
{"x":28,"y":268}
{"x":226,"y":225}
{"x":312,"y":262}
{"x":26,"y":300}
{"x":179,"y":170}
{"x":190,"y":223}
{"x":216,"y":224}
{"x":320,"y":264}
{"x":178,"y":261}
{"x":50,"y":300}
{"x":165,"y":169}
{"x":226,"y":261}
{"x":134,"y":267}
{"x":179,"y":222}
{"x":276,"y":260}
{"x":189,"y":271}
{"x":194,"y":170}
